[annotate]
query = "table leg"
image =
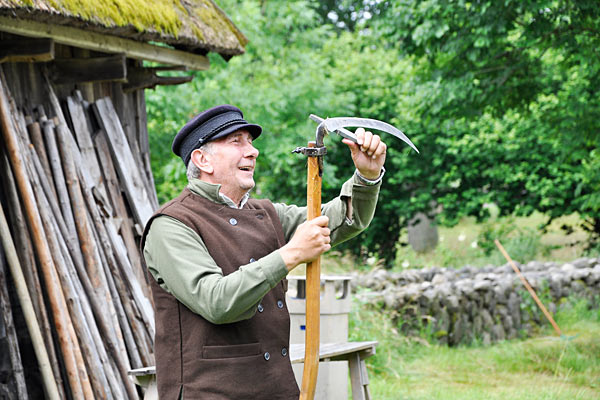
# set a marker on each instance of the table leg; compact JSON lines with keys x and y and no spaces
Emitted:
{"x":359,"y":378}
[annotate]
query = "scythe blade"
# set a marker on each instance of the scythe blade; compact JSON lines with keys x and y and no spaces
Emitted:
{"x":339,"y":124}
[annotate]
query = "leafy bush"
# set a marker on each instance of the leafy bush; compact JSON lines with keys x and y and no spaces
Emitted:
{"x":522,"y":244}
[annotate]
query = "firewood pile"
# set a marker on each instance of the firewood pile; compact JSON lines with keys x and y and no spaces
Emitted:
{"x":74,"y":202}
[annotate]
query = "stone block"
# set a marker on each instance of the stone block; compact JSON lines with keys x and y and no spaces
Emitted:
{"x":422,"y":233}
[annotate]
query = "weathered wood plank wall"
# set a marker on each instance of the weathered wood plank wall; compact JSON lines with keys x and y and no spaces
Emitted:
{"x":92,"y":212}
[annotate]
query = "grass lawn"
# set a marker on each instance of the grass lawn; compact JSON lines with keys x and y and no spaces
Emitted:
{"x":544,"y":367}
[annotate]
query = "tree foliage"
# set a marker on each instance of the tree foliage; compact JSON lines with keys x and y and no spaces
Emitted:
{"x":533,"y":67}
{"x":500,"y":98}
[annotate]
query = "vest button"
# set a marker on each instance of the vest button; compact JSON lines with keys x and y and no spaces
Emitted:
{"x":279,"y":303}
{"x":233,"y":221}
{"x":284,"y":352}
{"x":252,"y":260}
{"x":260,"y":308}
{"x":267,"y":356}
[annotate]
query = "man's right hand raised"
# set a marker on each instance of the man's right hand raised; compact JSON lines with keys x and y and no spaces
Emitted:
{"x":310,"y":240}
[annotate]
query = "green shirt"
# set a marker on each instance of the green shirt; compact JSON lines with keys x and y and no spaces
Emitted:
{"x":178,"y":259}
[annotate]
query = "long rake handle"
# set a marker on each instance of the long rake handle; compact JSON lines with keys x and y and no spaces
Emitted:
{"x":313,"y":288}
{"x":528,"y":286}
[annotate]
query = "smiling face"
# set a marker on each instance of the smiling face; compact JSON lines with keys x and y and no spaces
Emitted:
{"x":230,"y":162}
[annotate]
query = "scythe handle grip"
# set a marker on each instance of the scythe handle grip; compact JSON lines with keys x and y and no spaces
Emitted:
{"x":313,"y":287}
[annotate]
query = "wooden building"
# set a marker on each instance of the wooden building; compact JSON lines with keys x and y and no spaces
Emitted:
{"x":76,"y":187}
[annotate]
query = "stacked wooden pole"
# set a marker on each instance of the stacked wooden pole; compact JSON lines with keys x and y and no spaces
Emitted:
{"x":75,"y":205}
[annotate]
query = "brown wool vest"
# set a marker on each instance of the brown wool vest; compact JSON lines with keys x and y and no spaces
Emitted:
{"x":242,"y":360}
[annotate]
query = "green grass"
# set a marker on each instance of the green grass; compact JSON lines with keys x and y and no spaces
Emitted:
{"x":544,"y":367}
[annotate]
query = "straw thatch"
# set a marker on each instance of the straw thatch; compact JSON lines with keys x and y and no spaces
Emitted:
{"x":196,"y":26}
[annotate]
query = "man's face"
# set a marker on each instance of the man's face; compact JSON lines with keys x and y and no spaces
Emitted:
{"x":233,"y":159}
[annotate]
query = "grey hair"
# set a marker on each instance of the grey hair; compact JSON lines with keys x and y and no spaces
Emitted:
{"x":193,"y":172}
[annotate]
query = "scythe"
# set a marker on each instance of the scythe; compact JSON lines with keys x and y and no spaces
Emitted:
{"x":315,"y":152}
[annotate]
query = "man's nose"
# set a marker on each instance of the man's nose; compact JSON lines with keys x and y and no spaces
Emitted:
{"x":251,"y":151}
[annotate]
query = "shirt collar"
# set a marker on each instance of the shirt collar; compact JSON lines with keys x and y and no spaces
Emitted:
{"x":212,"y":192}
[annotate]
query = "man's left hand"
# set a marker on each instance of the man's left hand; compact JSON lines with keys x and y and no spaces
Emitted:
{"x":368,"y":154}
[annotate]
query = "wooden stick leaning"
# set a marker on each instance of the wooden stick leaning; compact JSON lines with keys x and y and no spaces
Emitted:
{"x":313,"y":288}
{"x":124,"y":303}
{"x":89,"y":249}
{"x":86,"y":235}
{"x":68,"y":343}
{"x":126,"y":228}
{"x":25,"y":252}
{"x":92,"y":183}
{"x":59,"y":178}
{"x":99,"y":339}
{"x":134,"y":330}
{"x":10,"y":334}
{"x":528,"y":286}
{"x":35,"y":134}
{"x":81,"y":316}
{"x":32,"y":325}
{"x":83,"y":321}
{"x":97,"y":306}
{"x":128,"y":336}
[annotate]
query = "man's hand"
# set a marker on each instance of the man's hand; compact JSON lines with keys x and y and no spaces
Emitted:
{"x":368,"y":154}
{"x":310,"y":240}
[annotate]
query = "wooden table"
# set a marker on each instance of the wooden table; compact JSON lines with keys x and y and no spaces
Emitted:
{"x":353,"y":352}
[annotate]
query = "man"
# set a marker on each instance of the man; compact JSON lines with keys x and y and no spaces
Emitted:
{"x":219,"y":262}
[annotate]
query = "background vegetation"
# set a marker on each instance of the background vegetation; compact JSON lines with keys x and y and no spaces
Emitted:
{"x":500,"y":97}
{"x":544,"y":367}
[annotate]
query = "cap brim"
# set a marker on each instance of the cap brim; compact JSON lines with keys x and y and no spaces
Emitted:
{"x":254,"y":130}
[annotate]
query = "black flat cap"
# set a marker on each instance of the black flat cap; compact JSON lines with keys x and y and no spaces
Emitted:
{"x":211,"y":124}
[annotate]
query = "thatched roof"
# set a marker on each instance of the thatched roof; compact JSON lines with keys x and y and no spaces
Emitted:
{"x":196,"y":26}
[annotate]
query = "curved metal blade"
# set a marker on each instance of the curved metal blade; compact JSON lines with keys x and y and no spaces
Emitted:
{"x":335,"y":124}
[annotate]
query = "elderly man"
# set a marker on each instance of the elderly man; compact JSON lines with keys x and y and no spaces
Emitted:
{"x":219,"y":261}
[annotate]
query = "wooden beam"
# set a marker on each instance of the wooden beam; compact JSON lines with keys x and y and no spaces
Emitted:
{"x":96,"y":69}
{"x":26,"y":50}
{"x":146,"y":78}
{"x":103,"y":43}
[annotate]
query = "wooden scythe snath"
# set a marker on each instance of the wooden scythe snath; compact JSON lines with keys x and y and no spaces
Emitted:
{"x":315,"y":152}
{"x":313,"y":280}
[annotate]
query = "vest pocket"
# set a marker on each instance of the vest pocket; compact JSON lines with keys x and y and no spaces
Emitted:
{"x":231,"y":351}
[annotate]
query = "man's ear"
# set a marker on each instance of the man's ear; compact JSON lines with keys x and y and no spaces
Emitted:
{"x":200,"y":159}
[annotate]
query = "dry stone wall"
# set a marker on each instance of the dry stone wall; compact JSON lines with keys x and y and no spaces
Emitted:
{"x":487,"y":304}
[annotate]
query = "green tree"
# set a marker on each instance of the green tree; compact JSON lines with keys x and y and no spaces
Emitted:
{"x":501,"y":99}
{"x":532,"y":62}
